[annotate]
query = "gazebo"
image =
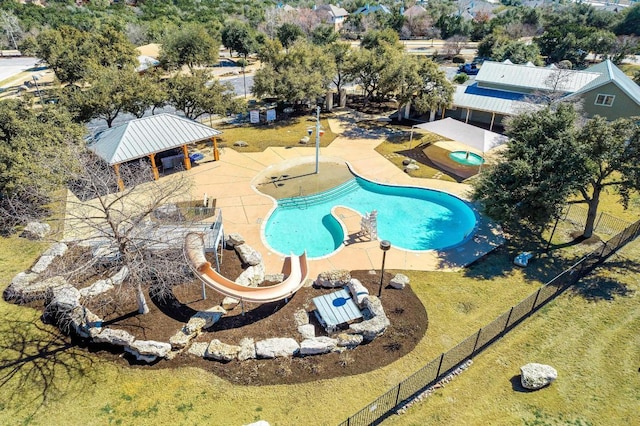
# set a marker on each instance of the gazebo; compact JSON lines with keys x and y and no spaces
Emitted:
{"x":148,"y":136}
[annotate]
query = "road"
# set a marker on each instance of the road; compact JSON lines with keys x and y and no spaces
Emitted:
{"x":13,"y":66}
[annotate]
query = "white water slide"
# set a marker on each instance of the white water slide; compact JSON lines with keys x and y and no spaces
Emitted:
{"x":295,"y":269}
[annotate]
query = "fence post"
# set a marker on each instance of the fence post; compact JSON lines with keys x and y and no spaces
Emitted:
{"x":440,"y":365}
{"x":506,"y":325}
{"x":533,"y":307}
{"x":475,"y":345}
{"x":398,"y":394}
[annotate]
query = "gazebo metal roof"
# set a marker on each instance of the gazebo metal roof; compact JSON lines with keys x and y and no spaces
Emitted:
{"x":144,"y":136}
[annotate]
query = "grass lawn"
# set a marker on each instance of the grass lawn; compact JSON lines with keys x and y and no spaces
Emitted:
{"x":282,"y":133}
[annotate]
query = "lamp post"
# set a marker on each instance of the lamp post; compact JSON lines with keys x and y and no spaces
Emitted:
{"x":317,"y":138}
{"x":384,"y":246}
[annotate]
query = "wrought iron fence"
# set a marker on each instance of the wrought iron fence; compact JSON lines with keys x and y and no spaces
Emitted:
{"x":439,"y":367}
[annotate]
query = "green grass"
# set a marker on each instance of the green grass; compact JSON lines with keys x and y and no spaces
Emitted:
{"x":285,"y":133}
{"x":592,"y":342}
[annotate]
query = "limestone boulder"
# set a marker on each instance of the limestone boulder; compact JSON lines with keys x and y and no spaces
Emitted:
{"x":36,"y":230}
{"x":308,"y":331}
{"x":536,"y":376}
{"x":317,"y":346}
{"x":114,"y":337}
{"x":370,"y":329}
{"x":301,"y":317}
{"x":334,"y":278}
{"x":374,"y":306}
{"x":345,"y":340}
{"x":304,"y":140}
{"x":14,"y":291}
{"x":181,"y":339}
{"x":248,"y":255}
{"x":252,"y":276}
{"x":247,"y":349}
{"x":221,"y":351}
{"x":81,"y":322}
{"x":411,"y":167}
{"x":277,"y":347}
{"x":259,"y":423}
{"x":49,"y":255}
{"x":198,"y":349}
{"x":399,"y":281}
{"x":64,"y":298}
{"x":205,"y":319}
{"x":40,"y":289}
{"x":241,"y":144}
{"x":274,"y":278}
{"x":229,"y":303}
{"x":148,"y":350}
{"x":358,"y":291}
{"x":233,"y":240}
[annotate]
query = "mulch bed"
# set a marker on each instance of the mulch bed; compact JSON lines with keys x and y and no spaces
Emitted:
{"x":405,"y":311}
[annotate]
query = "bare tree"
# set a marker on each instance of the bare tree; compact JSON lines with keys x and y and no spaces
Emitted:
{"x":139,"y":227}
{"x":11,"y":27}
{"x":454,"y":45}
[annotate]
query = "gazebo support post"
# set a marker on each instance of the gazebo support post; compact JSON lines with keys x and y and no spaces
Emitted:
{"x":466,"y":120}
{"x":216,"y":153}
{"x":116,"y":168}
{"x":187,"y":161}
{"x":493,"y":117}
{"x":154,"y":168}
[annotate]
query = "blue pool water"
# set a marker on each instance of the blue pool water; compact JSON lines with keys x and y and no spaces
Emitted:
{"x":410,"y":218}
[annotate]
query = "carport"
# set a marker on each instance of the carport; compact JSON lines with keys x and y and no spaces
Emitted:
{"x":148,"y":136}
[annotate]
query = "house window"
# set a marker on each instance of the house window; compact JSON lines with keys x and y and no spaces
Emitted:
{"x":604,"y":100}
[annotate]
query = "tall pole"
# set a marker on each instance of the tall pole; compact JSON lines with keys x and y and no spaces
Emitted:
{"x":317,"y":137}
{"x":384,"y":246}
{"x":35,"y":80}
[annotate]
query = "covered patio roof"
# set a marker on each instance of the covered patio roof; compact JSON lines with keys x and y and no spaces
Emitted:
{"x":475,"y":137}
{"x":148,"y":135}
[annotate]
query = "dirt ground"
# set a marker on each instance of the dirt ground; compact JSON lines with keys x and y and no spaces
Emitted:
{"x":405,"y":311}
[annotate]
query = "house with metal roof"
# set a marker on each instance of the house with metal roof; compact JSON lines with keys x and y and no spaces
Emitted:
{"x":161,"y":138}
{"x":504,"y":89}
{"x":367,"y":9}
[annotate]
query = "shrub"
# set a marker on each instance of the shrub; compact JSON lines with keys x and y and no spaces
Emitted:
{"x":458,"y":59}
{"x":460,"y":78}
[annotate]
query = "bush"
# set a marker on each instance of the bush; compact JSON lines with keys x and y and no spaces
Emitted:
{"x":458,"y":59}
{"x":460,"y":78}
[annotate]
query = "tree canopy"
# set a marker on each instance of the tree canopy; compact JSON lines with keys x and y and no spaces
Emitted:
{"x":551,"y":161}
{"x":191,"y":46}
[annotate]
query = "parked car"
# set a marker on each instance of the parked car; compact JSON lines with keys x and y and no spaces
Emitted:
{"x":469,"y":69}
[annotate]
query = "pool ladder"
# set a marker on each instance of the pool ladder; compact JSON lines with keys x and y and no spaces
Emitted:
{"x":304,"y":202}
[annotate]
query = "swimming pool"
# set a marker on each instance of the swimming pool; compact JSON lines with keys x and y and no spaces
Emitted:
{"x":410,"y":218}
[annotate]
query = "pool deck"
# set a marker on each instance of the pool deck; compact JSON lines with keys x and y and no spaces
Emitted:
{"x":245,"y":209}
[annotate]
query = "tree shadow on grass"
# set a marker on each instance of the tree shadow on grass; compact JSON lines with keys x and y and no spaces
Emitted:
{"x":38,"y":363}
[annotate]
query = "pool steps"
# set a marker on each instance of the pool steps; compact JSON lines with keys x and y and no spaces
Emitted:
{"x":320,"y":197}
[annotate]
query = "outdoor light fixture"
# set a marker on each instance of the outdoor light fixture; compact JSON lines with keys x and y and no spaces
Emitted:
{"x":384,"y":246}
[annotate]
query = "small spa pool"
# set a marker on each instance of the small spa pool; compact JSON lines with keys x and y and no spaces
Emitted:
{"x":410,"y":218}
{"x":466,"y":158}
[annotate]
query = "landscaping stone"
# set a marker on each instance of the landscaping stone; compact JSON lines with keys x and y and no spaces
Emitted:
{"x":252,"y":276}
{"x":233,"y":240}
{"x":64,"y":298}
{"x":259,"y":423}
{"x":114,"y":337}
{"x":334,"y":278}
{"x":411,"y":167}
{"x":358,"y":291}
{"x":82,"y":322}
{"x":301,"y":317}
{"x":24,"y":289}
{"x":247,"y":349}
{"x":57,"y":249}
{"x":317,"y":346}
{"x":400,"y":281}
{"x":148,"y":350}
{"x":106,"y":253}
{"x":229,"y":303}
{"x":374,"y":305}
{"x":181,"y":339}
{"x":36,"y":230}
{"x":370,"y":329}
{"x":277,"y":347}
{"x":535,"y":376}
{"x":304,"y":140}
{"x":248,"y":254}
{"x":406,"y":161}
{"x":205,"y":319}
{"x":198,"y":349}
{"x":241,"y":144}
{"x":168,"y":212}
{"x":221,"y":351}
{"x":308,"y":331}
{"x":345,"y":340}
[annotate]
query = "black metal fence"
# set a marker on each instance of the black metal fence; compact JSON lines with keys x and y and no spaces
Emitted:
{"x":437,"y":368}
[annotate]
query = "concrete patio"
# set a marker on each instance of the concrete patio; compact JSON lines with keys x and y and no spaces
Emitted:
{"x":232,"y":182}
